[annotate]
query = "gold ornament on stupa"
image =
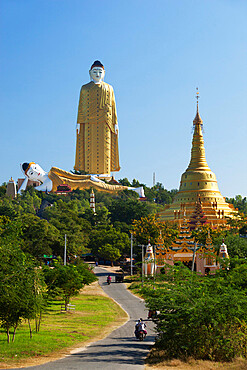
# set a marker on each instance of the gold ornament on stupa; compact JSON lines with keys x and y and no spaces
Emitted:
{"x":198,"y":185}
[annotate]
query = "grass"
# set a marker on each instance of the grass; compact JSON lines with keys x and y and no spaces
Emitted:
{"x":154,"y":362}
{"x":94,"y":316}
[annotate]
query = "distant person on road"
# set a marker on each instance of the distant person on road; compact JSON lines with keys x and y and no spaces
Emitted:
{"x":140,"y":326}
{"x":152,"y":314}
{"x":109,"y":279}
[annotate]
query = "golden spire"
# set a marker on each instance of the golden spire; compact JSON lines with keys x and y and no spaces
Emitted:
{"x":197,"y":118}
{"x":198,"y":190}
{"x":198,"y":159}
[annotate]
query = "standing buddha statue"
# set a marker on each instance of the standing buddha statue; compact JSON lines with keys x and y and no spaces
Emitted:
{"x":97,"y":127}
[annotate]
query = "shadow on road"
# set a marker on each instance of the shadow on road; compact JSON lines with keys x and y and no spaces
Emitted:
{"x":105,"y":273}
{"x":124,"y":353}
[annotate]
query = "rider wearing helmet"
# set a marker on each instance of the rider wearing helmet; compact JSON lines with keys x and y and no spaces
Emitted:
{"x":140,"y":326}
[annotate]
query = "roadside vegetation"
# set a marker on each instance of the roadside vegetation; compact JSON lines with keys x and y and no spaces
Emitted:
{"x":203,"y":318}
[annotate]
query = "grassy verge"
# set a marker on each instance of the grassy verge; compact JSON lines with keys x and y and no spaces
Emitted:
{"x":95,"y":315}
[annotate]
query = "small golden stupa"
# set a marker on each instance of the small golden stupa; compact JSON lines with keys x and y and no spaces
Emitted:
{"x":198,"y":187}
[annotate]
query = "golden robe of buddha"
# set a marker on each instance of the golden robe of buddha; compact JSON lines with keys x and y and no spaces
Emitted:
{"x":97,"y":135}
{"x":61,"y":177}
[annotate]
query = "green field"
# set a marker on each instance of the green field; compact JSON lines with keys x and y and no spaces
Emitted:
{"x":94,"y":315}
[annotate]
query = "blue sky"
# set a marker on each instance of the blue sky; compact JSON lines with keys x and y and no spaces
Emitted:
{"x":155,"y":52}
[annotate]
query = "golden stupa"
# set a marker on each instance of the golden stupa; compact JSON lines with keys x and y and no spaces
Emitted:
{"x":198,"y":187}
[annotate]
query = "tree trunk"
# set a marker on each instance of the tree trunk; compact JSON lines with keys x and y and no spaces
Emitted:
{"x":39,"y":322}
{"x":13,"y":338}
{"x":7,"y":334}
{"x":30,"y":329}
{"x":66,"y":303}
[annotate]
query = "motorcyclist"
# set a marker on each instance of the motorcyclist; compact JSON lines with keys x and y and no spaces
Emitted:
{"x":152,"y":314}
{"x":109,"y":279}
{"x":140,"y":326}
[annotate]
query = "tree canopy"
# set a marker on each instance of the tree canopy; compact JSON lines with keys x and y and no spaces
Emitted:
{"x":41,"y":221}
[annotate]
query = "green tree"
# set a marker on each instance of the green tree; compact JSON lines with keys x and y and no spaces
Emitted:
{"x":7,"y":209}
{"x":236,"y":246}
{"x":40,"y":237}
{"x":124,"y":182}
{"x":68,"y":221}
{"x":239,"y":202}
{"x":238,"y":223}
{"x":67,"y":280}
{"x":159,"y":194}
{"x":21,"y":288}
{"x":127,"y":210}
{"x":204,"y":318}
{"x":109,"y":236}
{"x":149,"y":228}
{"x":109,"y":252}
{"x":3,"y":188}
{"x":29,"y":201}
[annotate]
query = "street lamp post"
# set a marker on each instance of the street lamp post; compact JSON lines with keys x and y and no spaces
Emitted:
{"x":131,"y":254}
{"x":193,"y":260}
{"x":142,"y":265}
{"x":154,"y":265}
{"x":65,"y":252}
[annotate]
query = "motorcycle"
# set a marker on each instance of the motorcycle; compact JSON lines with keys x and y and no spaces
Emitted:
{"x":141,"y":335}
{"x":140,"y":331}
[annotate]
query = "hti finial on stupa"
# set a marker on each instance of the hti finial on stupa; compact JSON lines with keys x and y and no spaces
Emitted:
{"x":197,"y":96}
{"x":197,"y":118}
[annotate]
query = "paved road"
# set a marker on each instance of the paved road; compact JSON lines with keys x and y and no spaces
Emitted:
{"x":120,"y":350}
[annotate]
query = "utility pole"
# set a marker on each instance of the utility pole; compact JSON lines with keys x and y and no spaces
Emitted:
{"x":131,"y":254}
{"x":142,"y":265}
{"x":65,"y":246}
{"x":153,"y":179}
{"x":154,"y":265}
{"x":193,"y":261}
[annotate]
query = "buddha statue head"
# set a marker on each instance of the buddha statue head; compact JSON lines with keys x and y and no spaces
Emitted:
{"x":97,"y":72}
{"x":33,"y":171}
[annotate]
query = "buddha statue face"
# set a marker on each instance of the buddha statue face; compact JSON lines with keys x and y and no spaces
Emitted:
{"x":35,"y":172}
{"x":97,"y":74}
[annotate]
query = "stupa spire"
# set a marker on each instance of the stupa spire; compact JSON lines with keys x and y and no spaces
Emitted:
{"x":198,"y":158}
{"x":198,"y":191}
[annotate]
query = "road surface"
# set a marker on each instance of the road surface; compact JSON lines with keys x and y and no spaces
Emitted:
{"x":119,"y":350}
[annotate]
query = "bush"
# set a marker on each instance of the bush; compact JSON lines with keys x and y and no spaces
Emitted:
{"x":201,"y":318}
